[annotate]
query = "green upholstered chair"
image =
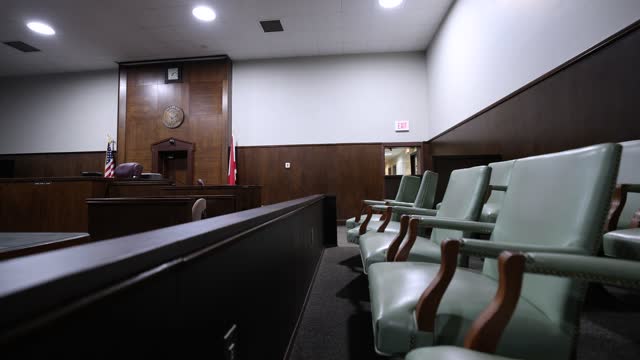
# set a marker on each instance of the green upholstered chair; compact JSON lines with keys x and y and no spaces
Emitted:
{"x":500,"y":175}
{"x":424,"y":200}
{"x":451,"y":353}
{"x":462,"y":200}
{"x":555,"y":203}
{"x":623,"y":241}
{"x":485,"y":333}
{"x":407,"y":191}
{"x":624,"y":244}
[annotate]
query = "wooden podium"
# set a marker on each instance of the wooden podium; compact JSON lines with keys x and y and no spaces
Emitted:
{"x":173,"y":158}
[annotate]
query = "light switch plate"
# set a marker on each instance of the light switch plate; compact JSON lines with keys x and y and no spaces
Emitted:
{"x":287,"y":165}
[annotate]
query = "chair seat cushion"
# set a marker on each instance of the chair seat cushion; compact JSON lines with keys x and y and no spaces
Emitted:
{"x":396,"y":287}
{"x":353,"y":235}
{"x":450,"y":353}
{"x":393,"y":226}
{"x":374,"y":245}
{"x":352,"y":223}
{"x":623,"y":244}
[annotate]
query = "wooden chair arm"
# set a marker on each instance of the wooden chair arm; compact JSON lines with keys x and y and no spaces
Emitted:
{"x":387,"y":218}
{"x":365,"y":223}
{"x":429,"y":301}
{"x":395,"y":244}
{"x":618,"y":201}
{"x":490,"y":324}
{"x":362,"y":210}
{"x":403,"y":253}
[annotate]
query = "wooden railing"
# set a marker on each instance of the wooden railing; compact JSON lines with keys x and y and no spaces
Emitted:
{"x":178,"y":289}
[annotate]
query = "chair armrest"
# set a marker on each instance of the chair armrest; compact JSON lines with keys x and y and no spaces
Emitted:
{"x":406,"y":210}
{"x":604,"y":270}
{"x":398,"y":203}
{"x":632,"y":188}
{"x":455,"y":224}
{"x":493,"y":249}
{"x":373,"y":202}
{"x":490,"y":324}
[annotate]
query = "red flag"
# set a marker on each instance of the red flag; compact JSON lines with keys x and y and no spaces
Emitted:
{"x":231,"y":175}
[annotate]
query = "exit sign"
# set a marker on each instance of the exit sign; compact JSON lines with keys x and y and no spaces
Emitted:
{"x":402,"y":126}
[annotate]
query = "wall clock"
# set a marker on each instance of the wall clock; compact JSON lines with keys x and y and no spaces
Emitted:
{"x":173,"y":74}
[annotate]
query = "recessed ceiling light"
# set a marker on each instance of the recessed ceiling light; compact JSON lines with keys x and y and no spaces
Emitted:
{"x":204,"y":13}
{"x":41,"y":28}
{"x":388,"y":4}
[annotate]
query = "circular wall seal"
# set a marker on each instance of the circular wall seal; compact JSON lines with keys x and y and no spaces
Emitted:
{"x":173,"y":117}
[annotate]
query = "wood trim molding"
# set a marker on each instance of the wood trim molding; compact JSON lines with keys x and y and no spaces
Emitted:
{"x":583,"y":55}
{"x":172,"y":60}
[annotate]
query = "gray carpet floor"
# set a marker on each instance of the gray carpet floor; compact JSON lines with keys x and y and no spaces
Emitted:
{"x":336,"y":324}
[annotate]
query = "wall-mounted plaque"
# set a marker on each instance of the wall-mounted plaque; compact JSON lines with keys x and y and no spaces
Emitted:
{"x":173,"y":117}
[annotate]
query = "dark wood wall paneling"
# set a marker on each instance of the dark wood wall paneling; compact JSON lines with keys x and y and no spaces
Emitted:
{"x":591,"y":99}
{"x":53,"y":164}
{"x":203,"y":95}
{"x":350,"y":171}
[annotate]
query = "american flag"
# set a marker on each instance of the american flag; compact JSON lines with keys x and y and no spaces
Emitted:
{"x":108,"y":165}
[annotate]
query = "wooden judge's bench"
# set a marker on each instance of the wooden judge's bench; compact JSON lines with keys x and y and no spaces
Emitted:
{"x":62,"y":204}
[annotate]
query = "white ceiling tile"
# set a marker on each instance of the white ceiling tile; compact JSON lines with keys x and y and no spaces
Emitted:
{"x":95,"y":34}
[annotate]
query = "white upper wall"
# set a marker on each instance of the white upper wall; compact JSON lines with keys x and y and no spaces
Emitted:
{"x":329,"y":99}
{"x":58,"y":113}
{"x":487,"y":49}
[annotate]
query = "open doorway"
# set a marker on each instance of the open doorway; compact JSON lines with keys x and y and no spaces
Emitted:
{"x":400,"y":159}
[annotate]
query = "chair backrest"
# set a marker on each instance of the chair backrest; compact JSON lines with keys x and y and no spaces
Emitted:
{"x":462,"y":199}
{"x":408,"y":188}
{"x":629,"y":173}
{"x":198,"y":209}
{"x":557,"y":200}
{"x":407,"y":191}
{"x":128,"y":170}
{"x":427,"y":192}
{"x":500,"y":175}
